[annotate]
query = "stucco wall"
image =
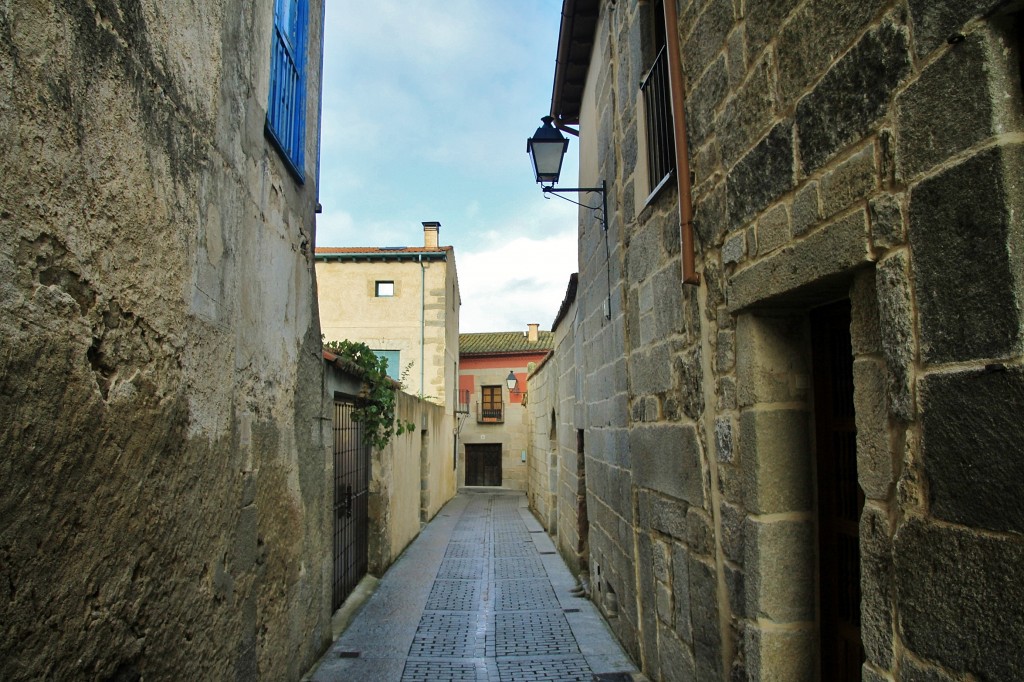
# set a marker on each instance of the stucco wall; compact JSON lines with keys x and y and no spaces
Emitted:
{"x":164,"y":503}
{"x":408,"y":481}
{"x":513,"y":434}
{"x":866,"y":151}
{"x":420,"y":320}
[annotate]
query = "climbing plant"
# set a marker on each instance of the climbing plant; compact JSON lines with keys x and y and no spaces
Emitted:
{"x":376,"y":410}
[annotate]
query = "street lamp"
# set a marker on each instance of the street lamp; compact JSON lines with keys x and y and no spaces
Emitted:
{"x":511,"y":381}
{"x":547,"y":148}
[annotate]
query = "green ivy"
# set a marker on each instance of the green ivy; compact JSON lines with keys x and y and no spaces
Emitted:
{"x":376,"y":410}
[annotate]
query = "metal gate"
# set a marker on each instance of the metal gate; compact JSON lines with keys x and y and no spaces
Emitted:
{"x":351,"y":481}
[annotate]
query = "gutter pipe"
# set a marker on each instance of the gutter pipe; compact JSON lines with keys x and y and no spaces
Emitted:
{"x":423,"y":307}
{"x":675,"y":80}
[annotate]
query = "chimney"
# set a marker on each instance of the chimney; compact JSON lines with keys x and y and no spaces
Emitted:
{"x":532,"y":334}
{"x":430,"y":230}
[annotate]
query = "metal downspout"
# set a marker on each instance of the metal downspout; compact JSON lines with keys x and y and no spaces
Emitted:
{"x":675,"y":80}
{"x":423,"y":307}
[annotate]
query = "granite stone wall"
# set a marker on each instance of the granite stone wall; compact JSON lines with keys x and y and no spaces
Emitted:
{"x":164,"y":512}
{"x":860,"y":151}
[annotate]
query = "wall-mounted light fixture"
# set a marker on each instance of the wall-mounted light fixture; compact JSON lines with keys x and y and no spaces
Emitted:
{"x":513,"y":387}
{"x":547,"y":148}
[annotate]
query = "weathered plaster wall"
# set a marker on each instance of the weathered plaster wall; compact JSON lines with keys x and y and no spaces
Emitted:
{"x":408,"y":481}
{"x":868,"y":151}
{"x":163,"y":513}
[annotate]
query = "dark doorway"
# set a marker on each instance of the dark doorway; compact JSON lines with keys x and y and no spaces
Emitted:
{"x":582,"y":523}
{"x":840,"y":499}
{"x":351,"y":481}
{"x":483,"y":464}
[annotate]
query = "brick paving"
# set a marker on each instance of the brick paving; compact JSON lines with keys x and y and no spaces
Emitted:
{"x":480,"y":595}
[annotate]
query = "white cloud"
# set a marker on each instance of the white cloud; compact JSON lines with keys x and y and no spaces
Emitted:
{"x":507,"y":283}
{"x":427,"y":107}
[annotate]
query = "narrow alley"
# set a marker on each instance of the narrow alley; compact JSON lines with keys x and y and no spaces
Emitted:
{"x":481,"y":594}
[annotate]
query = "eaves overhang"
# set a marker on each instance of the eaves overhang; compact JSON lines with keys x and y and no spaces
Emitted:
{"x":575,"y":43}
{"x":412,"y":256}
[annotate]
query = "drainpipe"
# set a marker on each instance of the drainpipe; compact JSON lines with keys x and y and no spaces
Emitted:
{"x":423,"y":307}
{"x":675,"y":81}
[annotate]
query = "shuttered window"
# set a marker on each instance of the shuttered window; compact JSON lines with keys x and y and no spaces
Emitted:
{"x":286,"y":108}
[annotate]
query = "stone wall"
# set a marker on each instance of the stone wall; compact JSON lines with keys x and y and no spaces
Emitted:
{"x":164,"y":507}
{"x":542,"y":453}
{"x":867,"y":151}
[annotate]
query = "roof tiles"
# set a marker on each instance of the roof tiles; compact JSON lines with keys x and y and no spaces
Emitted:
{"x":486,"y":343}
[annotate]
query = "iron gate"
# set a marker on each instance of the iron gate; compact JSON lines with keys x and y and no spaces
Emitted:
{"x":351,"y":480}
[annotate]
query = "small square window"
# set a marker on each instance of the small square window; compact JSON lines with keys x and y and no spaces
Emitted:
{"x":385,"y":288}
{"x":393,"y":358}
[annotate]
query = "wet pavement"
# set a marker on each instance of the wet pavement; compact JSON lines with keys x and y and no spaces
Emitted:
{"x":481,"y":594}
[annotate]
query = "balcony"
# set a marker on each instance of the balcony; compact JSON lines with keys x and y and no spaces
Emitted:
{"x":491,"y":413}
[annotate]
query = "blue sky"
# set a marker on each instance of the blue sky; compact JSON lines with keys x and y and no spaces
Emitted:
{"x":427,"y":105}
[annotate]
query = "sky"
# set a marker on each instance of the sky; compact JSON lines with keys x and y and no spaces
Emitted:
{"x":427,"y":105}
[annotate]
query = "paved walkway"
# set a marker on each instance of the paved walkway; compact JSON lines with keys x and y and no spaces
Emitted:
{"x":481,"y":594}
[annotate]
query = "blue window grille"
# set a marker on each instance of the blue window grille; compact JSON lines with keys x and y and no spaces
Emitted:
{"x":286,"y":108}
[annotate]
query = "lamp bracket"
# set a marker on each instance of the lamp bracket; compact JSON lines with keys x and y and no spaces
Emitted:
{"x":603,"y":191}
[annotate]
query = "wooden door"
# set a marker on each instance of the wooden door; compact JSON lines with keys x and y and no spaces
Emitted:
{"x":483,"y":464}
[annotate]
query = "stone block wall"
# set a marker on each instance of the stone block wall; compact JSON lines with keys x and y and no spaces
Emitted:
{"x":165,"y":507}
{"x":542,"y":387}
{"x":866,"y":151}
{"x":557,"y":480}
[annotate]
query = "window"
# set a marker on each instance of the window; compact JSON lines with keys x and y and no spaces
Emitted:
{"x":490,"y":404}
{"x":657,"y":100}
{"x":384,"y":288}
{"x":286,"y":108}
{"x":392,"y":357}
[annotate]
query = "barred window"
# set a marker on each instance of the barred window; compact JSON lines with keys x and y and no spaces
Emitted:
{"x":657,"y":98}
{"x":661,"y":157}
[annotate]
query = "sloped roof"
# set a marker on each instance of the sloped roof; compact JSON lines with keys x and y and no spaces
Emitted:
{"x":490,"y":343}
{"x":575,"y":43}
{"x":400,"y":253}
{"x":380,"y":249}
{"x":570,"y":297}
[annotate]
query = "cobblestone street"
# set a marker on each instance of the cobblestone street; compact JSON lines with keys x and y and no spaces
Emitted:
{"x":481,"y":594}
